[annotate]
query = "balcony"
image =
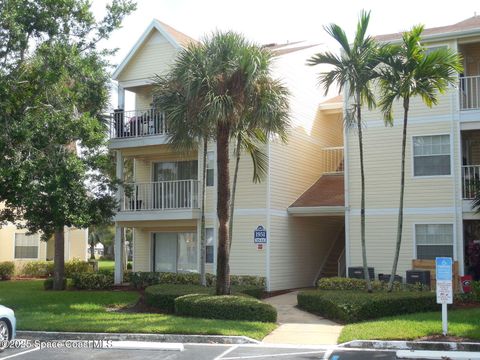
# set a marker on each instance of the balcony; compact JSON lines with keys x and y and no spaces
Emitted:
{"x":159,"y":200}
{"x":469,"y":93}
{"x":333,"y":157}
{"x":137,"y":128}
{"x":470,"y":181}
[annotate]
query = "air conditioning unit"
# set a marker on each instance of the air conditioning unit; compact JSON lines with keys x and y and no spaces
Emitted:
{"x":356,"y":272}
{"x":418,"y":277}
{"x":386,"y":278}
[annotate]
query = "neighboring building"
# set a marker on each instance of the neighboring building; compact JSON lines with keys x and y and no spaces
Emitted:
{"x":161,"y":201}
{"x":17,"y":246}
{"x":442,"y":168}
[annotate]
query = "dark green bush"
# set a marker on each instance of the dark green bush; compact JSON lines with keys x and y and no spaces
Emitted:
{"x":143,"y":279}
{"x":48,"y":284}
{"x":163,"y":296}
{"x":354,"y":306}
{"x":338,"y":283}
{"x":92,"y":281}
{"x":7,"y":269}
{"x":475,"y":286}
{"x":256,"y":292}
{"x":227,"y":307}
{"x":77,"y":266}
{"x":129,"y":266}
{"x":37,"y":269}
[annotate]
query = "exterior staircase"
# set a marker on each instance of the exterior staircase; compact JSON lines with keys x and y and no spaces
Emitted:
{"x":330,"y":268}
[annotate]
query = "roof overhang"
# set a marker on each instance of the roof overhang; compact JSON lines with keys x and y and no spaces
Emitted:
{"x":439,"y":36}
{"x":316,"y":210}
{"x":154,"y":25}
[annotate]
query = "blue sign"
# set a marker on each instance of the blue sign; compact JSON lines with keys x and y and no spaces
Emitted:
{"x":260,"y":235}
{"x":443,"y":267}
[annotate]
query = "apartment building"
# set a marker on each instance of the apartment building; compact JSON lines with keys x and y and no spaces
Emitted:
{"x":299,"y":205}
{"x":442,"y":168}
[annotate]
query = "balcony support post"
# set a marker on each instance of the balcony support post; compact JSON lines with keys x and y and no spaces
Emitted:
{"x":119,"y":175}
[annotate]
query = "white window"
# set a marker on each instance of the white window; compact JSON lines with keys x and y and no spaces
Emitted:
{"x":431,"y":155}
{"x":210,"y":246}
{"x":210,"y":168}
{"x":26,"y":246}
{"x":434,"y":240}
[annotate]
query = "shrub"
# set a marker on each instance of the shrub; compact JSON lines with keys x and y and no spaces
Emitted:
{"x":256,"y":292}
{"x":7,"y":269}
{"x":77,"y":266}
{"x":37,"y":269}
{"x":143,"y":279}
{"x":338,"y":283}
{"x":129,"y":266}
{"x":354,"y":306}
{"x":48,"y":284}
{"x":227,"y":307}
{"x":475,"y":286}
{"x":92,"y":281}
{"x":163,"y":296}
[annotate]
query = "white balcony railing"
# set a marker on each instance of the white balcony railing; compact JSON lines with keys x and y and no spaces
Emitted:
{"x":160,"y":195}
{"x":470,"y":181}
{"x":333,"y":157}
{"x":470,"y":93}
{"x":137,"y":123}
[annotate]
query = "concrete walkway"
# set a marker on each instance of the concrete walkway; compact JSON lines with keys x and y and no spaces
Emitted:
{"x":300,"y":327}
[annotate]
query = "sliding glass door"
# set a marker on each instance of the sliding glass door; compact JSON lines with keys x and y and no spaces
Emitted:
{"x":175,"y":252}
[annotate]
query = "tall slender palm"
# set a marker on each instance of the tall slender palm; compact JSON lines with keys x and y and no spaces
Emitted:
{"x":209,"y":94}
{"x":410,"y":71}
{"x":353,"y":71}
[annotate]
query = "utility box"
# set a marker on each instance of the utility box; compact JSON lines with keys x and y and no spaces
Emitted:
{"x":386,"y":278}
{"x":418,"y":277}
{"x":356,"y":272}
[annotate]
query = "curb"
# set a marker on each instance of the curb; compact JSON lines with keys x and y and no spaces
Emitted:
{"x":412,"y":345}
{"x":170,"y":338}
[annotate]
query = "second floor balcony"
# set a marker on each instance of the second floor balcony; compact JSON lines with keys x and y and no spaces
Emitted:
{"x":137,"y":127}
{"x":469,"y":93}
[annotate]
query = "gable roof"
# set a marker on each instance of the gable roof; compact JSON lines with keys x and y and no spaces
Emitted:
{"x":459,"y":28}
{"x":173,"y":36}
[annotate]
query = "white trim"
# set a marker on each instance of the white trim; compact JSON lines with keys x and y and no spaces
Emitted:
{"x":407,"y":211}
{"x":155,"y":24}
{"x":412,"y":157}
{"x":454,"y":233}
{"x":38,"y":246}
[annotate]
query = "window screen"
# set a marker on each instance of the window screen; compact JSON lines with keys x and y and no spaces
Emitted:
{"x":26,"y":246}
{"x":431,"y":155}
{"x":434,"y":240}
{"x":210,"y":169}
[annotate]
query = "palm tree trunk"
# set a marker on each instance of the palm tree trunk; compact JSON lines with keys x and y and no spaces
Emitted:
{"x":234,"y":190}
{"x":223,"y":201}
{"x":402,"y":192}
{"x":59,"y":259}
{"x":203,"y":276}
{"x":362,"y":203}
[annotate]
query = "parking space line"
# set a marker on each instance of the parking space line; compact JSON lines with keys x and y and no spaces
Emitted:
{"x":226,"y":352}
{"x":272,"y":355}
{"x":18,"y":354}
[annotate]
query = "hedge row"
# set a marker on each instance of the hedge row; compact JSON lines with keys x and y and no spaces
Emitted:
{"x":92,"y":281}
{"x":226,"y":307}
{"x":339,"y":283}
{"x":141,"y":280}
{"x":354,"y":306}
{"x":7,"y":269}
{"x":45,"y":268}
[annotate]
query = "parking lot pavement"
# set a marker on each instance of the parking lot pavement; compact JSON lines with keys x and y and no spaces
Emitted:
{"x":197,"y":352}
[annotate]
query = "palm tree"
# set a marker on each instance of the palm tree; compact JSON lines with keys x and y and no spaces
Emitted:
{"x":409,"y":71}
{"x":213,"y":92}
{"x":353,"y":70}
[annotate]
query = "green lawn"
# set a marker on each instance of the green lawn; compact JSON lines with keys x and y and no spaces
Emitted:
{"x":462,"y":323}
{"x":106,"y":264}
{"x":37,"y":309}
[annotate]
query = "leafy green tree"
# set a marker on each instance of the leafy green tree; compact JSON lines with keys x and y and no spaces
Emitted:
{"x":53,"y":93}
{"x":216,"y":90}
{"x":353,"y":70}
{"x":409,"y":71}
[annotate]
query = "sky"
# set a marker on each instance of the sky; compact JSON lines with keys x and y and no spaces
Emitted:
{"x":269,"y":21}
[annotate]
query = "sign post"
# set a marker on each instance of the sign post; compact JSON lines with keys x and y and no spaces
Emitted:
{"x":443,"y":270}
{"x":260,"y":237}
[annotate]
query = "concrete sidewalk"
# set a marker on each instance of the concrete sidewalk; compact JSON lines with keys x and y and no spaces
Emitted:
{"x":300,"y":327}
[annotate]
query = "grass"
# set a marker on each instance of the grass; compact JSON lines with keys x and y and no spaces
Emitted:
{"x":106,"y":265}
{"x":464,"y":323}
{"x":86,"y":311}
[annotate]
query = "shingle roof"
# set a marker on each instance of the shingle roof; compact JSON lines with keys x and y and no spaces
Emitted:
{"x":328,"y":190}
{"x":179,"y":37}
{"x":467,"y":24}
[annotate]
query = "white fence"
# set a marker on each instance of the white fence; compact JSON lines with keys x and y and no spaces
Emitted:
{"x":333,"y":157}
